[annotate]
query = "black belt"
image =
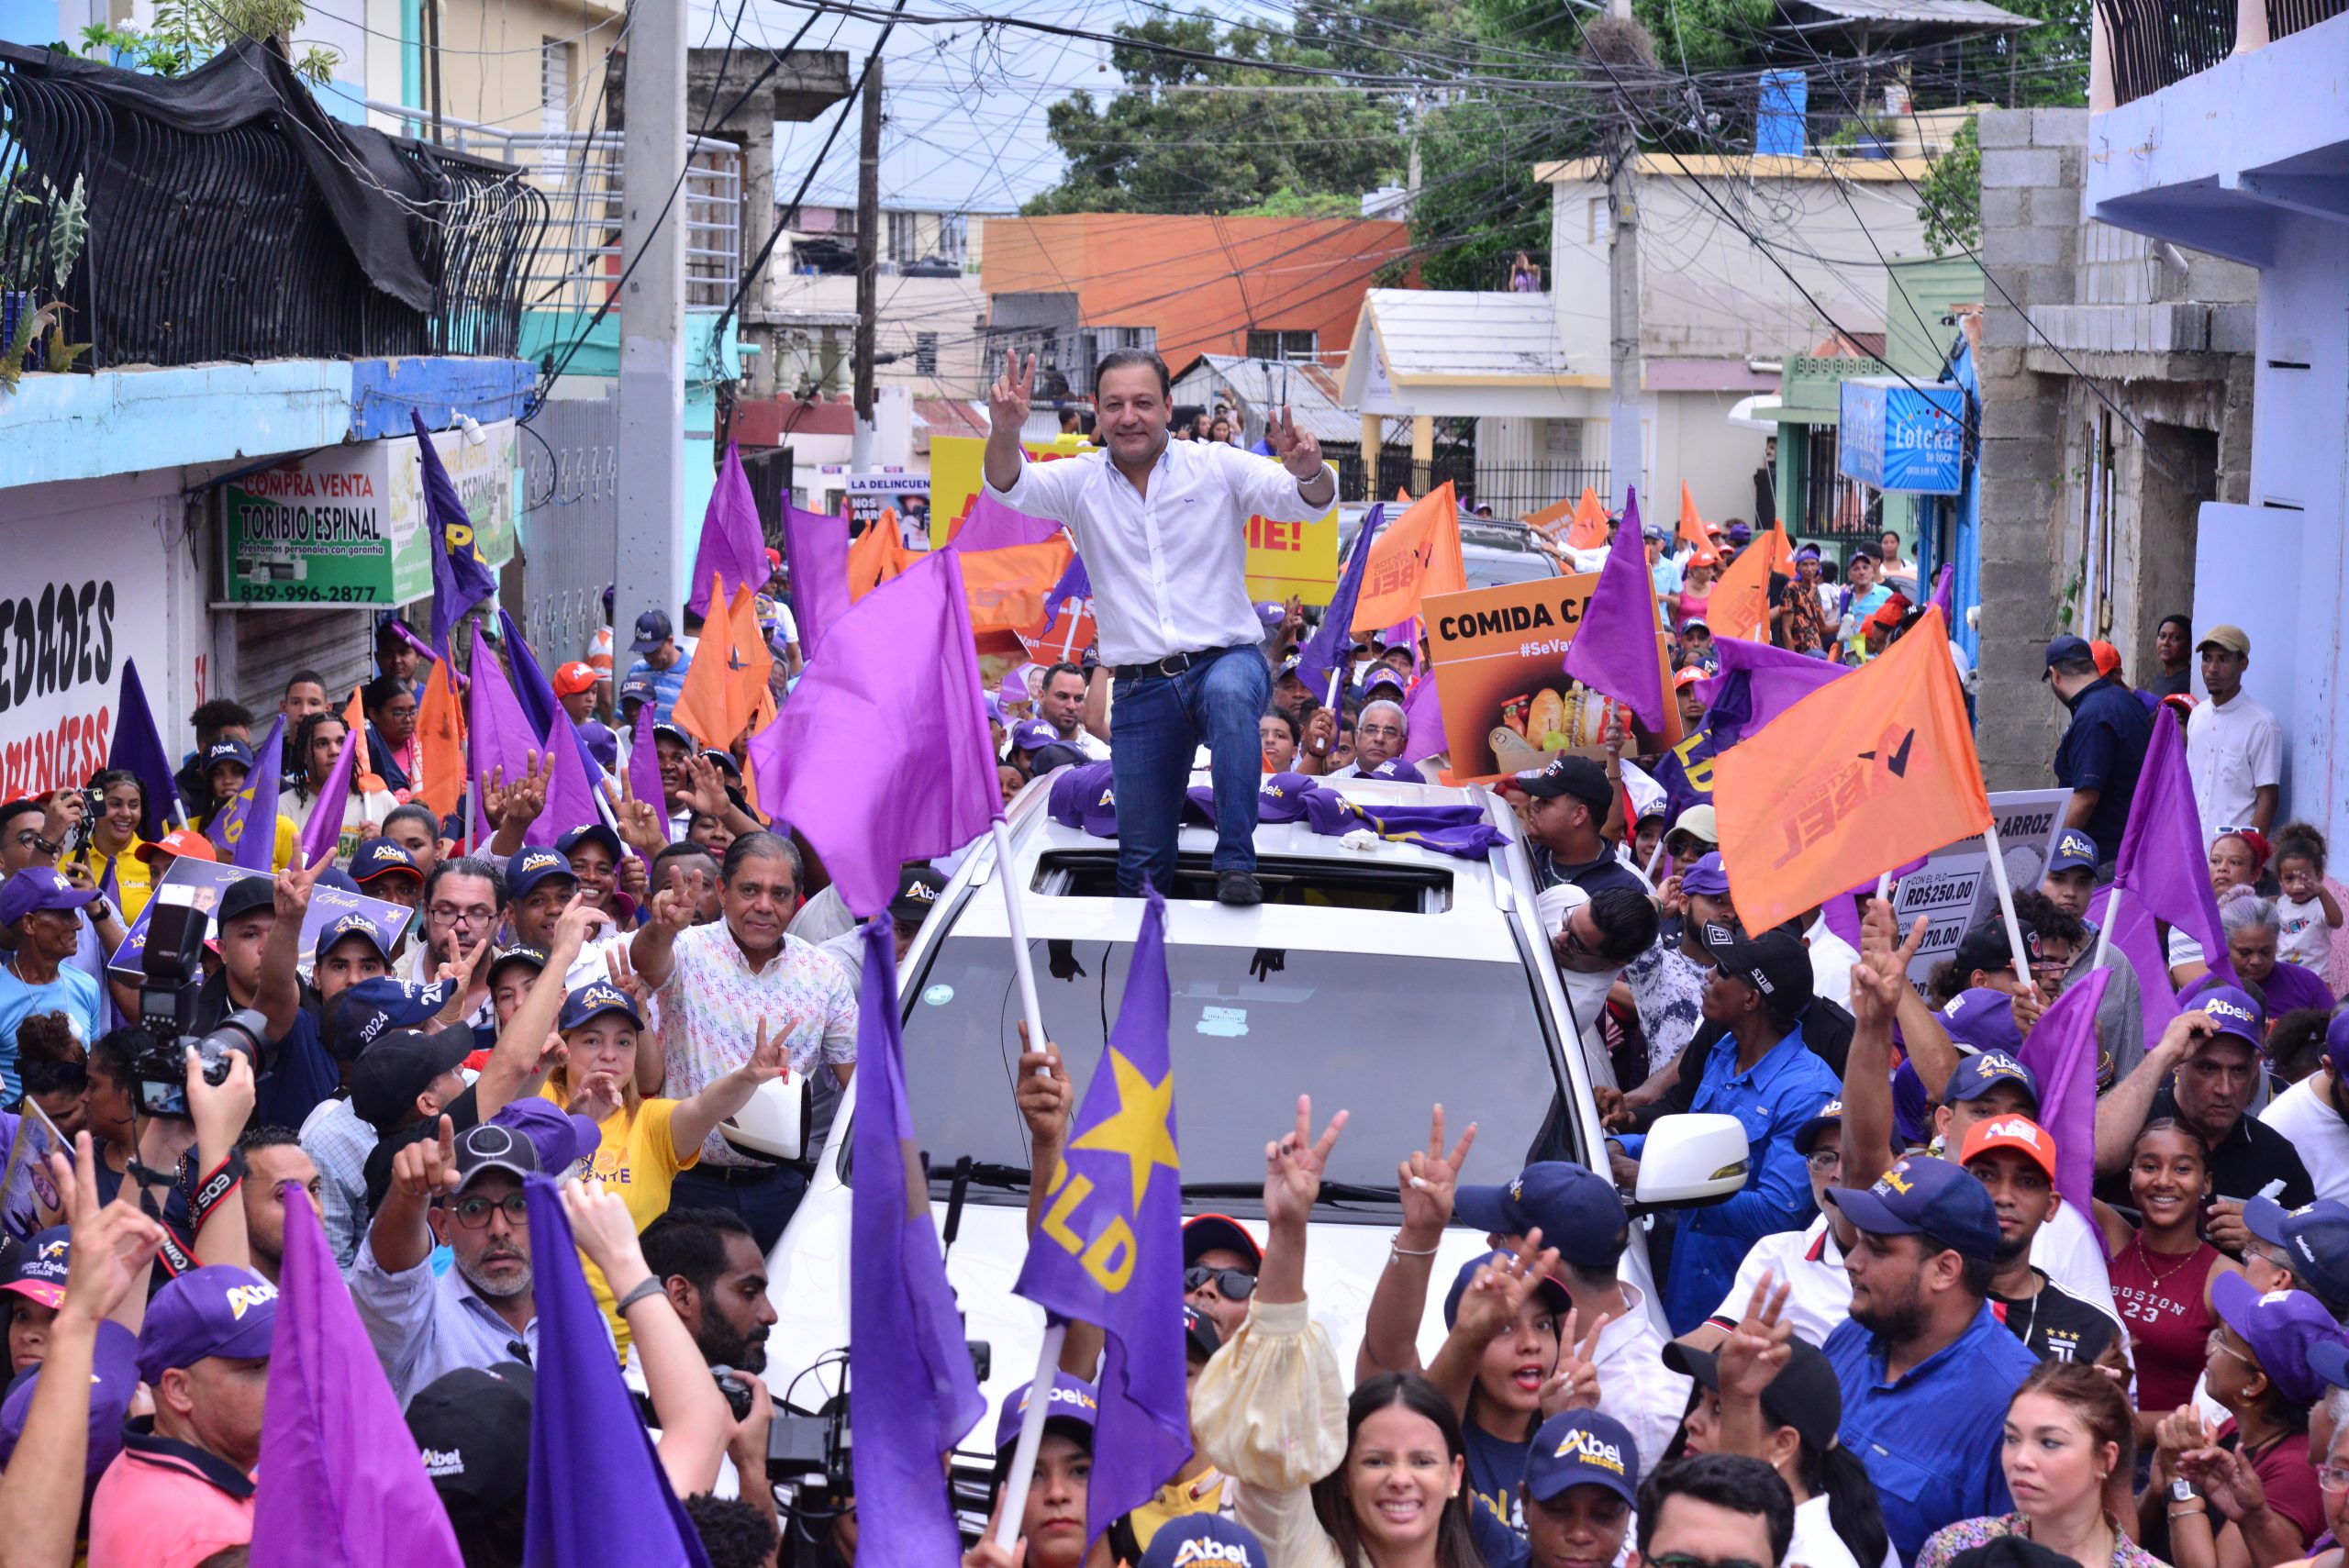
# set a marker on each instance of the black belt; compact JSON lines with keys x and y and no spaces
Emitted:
{"x":1172,"y":664}
{"x":738,"y":1175}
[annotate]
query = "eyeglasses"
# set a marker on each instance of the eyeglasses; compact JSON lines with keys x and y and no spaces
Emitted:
{"x":2334,"y":1478}
{"x":1825,"y":1160}
{"x":1576,"y":946}
{"x":31,"y":840}
{"x":1232,"y":1284}
{"x":1385,"y":731}
{"x":2218,"y":1342}
{"x":473,"y":1213}
{"x":1689,"y":1560}
{"x":465,"y":915}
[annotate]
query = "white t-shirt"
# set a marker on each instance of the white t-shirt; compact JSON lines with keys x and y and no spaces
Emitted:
{"x":2068,"y":1251}
{"x":1816,"y":1544}
{"x":1832,"y":959}
{"x":1818,"y":1293}
{"x":2304,"y":1113}
{"x":2231,"y":750}
{"x":2301,"y":935}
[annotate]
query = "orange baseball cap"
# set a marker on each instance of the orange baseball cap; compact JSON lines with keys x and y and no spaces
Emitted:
{"x":179,"y":841}
{"x":1687,"y":677}
{"x":2107,"y":657}
{"x":2016,"y":1132}
{"x":572,"y":678}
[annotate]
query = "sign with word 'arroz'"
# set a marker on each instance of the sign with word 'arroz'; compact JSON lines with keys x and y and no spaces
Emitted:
{"x":1955,"y":891}
{"x":1507,"y":705}
{"x":346,"y":525}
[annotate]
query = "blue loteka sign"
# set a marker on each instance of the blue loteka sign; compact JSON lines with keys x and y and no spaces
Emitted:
{"x":1903,"y":437}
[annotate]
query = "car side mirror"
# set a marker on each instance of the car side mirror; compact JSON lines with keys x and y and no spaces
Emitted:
{"x":775,"y":1121}
{"x":1691,"y":1159}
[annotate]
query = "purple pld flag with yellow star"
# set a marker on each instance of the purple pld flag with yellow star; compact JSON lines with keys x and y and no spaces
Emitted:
{"x":1109,"y":1249}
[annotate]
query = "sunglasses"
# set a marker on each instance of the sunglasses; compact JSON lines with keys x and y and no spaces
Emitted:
{"x":1232,"y":1284}
{"x":473,"y":1213}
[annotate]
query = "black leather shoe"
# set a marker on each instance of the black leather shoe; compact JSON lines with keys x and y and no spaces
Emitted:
{"x":1236,"y":888}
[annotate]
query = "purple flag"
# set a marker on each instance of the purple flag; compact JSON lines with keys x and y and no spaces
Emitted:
{"x":1757,"y":684}
{"x":1423,"y":721}
{"x":322,"y":834}
{"x":255,"y":807}
{"x":882,"y":754}
{"x":341,"y":1481}
{"x":2138,"y":941}
{"x":2060,"y":1052}
{"x":816,"y":549}
{"x":732,"y":543}
{"x":499,"y":734}
{"x":1614,"y":650}
{"x":460,"y":580}
{"x":991,"y":524}
{"x":1944,"y":592}
{"x":1075,"y":583}
{"x":571,"y":794}
{"x":598,"y":1494}
{"x":139,"y":748}
{"x":1325,"y":651}
{"x":910,"y":1390}
{"x":644,"y":770}
{"x":1122,"y":1148}
{"x":2162,"y":859}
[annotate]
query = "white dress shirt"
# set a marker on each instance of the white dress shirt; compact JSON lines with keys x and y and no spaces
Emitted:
{"x":1634,"y":1385}
{"x":2232,"y":750}
{"x":1169,"y":570}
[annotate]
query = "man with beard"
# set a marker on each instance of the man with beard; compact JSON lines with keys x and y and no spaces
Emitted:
{"x":1926,"y":1367}
{"x":716,"y":1279}
{"x":2014,"y":1159}
{"x":465,"y":1192}
{"x":274,"y":1156}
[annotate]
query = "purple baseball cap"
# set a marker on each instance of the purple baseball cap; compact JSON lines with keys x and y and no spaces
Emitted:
{"x":2336,"y":1042}
{"x":1984,"y":1020}
{"x":217,"y":1310}
{"x":1087,"y":797}
{"x":1922,"y":1196}
{"x":1708,"y":877}
{"x":1073,"y":1400}
{"x":2234,"y":1011}
{"x":2280,"y":1327}
{"x":36,"y":888}
{"x":1396,"y":770}
{"x":562,"y":1140}
{"x":113,"y":1380}
{"x":1032,"y":735}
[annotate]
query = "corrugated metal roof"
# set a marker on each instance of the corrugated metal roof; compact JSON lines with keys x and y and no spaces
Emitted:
{"x":1458,"y":332}
{"x":1939,"y":13}
{"x":1258,"y":385}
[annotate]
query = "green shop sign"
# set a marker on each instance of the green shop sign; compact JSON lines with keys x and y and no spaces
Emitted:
{"x":346,"y":525}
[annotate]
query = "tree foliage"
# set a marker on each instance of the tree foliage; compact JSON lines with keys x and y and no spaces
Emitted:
{"x":1950,"y":198}
{"x":187,"y":33}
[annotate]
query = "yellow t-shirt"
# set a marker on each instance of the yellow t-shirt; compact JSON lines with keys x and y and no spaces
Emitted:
{"x":134,"y":879}
{"x":637,"y":1159}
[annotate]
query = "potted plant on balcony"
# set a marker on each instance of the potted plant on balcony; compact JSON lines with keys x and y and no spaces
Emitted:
{"x":40,"y":242}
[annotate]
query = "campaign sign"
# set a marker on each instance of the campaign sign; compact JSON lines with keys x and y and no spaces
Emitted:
{"x":1900,"y":437}
{"x":210,"y":881}
{"x":1298,"y":559}
{"x":1498,"y":654}
{"x":1955,"y":891}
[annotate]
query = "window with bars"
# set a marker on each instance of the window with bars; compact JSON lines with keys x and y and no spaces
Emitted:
{"x":954,"y":237}
{"x":1281,"y":345}
{"x":554,"y":103}
{"x":925,"y":353}
{"x":905,"y":236}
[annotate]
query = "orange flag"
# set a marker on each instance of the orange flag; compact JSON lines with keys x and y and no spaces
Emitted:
{"x":1692,"y":531}
{"x":1781,"y":548}
{"x":439,"y":744}
{"x":1548,"y":519}
{"x":757,"y":661}
{"x":1849,"y":783}
{"x":877,"y":555}
{"x":711,"y":704}
{"x":1007,"y":588}
{"x":1418,"y":555}
{"x":354,"y":718}
{"x":1740,"y":603}
{"x":1402,"y":497}
{"x":1590,"y":530}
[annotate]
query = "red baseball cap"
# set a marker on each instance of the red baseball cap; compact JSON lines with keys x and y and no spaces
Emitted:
{"x":572,"y":678}
{"x":2017,"y":1132}
{"x":179,"y":841}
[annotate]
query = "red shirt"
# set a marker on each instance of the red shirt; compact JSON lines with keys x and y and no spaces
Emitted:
{"x":165,"y":1504}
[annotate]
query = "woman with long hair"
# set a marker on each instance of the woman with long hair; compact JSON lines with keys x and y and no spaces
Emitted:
{"x":2068,"y":1434}
{"x":117,"y":868}
{"x":1376,"y":1481}
{"x":1765,"y":1393}
{"x":318,"y":746}
{"x":2162,"y":1268}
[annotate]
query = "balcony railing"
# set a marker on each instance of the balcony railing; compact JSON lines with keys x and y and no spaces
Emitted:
{"x":169,"y":242}
{"x":2155,"y":42}
{"x":2287,"y":16}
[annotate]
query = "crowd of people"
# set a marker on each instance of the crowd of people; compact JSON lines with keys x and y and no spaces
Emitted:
{"x":1899,"y":1345}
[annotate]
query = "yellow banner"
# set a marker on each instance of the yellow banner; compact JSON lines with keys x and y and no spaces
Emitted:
{"x":957,"y":465}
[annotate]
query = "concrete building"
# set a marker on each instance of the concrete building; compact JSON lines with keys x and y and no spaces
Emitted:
{"x":2118,"y":408}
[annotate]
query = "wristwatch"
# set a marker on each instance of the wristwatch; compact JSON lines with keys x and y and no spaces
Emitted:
{"x":2182,"y":1491}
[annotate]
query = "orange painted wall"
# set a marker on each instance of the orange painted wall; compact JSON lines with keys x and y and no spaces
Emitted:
{"x":1202,"y":280}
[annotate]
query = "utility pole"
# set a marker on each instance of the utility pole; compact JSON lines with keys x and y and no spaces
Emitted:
{"x":868,"y":260}
{"x":432,"y":61}
{"x":1624,"y":365}
{"x":651,"y":479}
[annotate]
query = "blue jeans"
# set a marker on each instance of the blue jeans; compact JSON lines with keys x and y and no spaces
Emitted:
{"x":1156,"y":724}
{"x":765,"y":1199}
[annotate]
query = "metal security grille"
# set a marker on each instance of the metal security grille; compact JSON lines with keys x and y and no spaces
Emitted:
{"x":2156,"y":42}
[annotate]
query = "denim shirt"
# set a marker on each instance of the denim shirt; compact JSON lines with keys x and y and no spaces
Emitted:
{"x":1930,"y":1441}
{"x":1771,"y":1100}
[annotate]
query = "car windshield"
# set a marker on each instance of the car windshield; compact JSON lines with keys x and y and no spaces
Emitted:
{"x":1488,"y":568}
{"x":1250,"y":1029}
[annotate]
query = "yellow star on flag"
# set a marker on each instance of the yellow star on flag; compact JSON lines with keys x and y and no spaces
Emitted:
{"x":1139,"y":1129}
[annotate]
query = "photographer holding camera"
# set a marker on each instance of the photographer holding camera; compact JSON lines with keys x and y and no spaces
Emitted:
{"x":259,"y":927}
{"x":716,"y":1279}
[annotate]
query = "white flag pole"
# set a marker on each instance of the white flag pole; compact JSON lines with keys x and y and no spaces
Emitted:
{"x":1031,"y":1430}
{"x":2006,"y":907}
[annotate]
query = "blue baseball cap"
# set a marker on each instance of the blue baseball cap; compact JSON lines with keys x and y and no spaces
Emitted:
{"x":526,"y":868}
{"x":229,"y":749}
{"x":1208,"y":1539}
{"x":359,"y":1016}
{"x":1033,"y":735}
{"x":1976,"y":1075}
{"x":2315,"y":1238}
{"x":217,"y":1310}
{"x":2234,"y":1011}
{"x":1575,"y":1209}
{"x":1806,"y":1136}
{"x":1582,"y":1448}
{"x":1074,"y":1401}
{"x":2281,"y":1328}
{"x":652,"y":629}
{"x":594,"y":999}
{"x":592,"y":833}
{"x":2074,"y":851}
{"x":2066,"y":650}
{"x":1740,"y":533}
{"x":1708,"y":878}
{"x":350,"y":925}
{"x":37,"y":887}
{"x":380,"y":857}
{"x":1924,"y":1196}
{"x":1983,"y":1019}
{"x":1553,"y":1292}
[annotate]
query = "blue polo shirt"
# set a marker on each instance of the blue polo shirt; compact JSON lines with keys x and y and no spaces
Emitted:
{"x":1771,"y":1100}
{"x":1930,"y":1440}
{"x":2104,"y":750}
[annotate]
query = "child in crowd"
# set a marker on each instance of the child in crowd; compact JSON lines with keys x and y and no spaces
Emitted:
{"x":2306,"y":914}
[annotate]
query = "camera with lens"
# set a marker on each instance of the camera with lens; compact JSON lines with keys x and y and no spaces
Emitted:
{"x":171,"y":974}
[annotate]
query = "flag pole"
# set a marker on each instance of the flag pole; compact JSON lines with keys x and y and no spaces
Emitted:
{"x":2104,"y":932}
{"x":1021,"y":965}
{"x":1032,"y":1423}
{"x":2007,"y":906}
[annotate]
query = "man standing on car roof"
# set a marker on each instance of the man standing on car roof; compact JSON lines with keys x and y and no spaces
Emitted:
{"x":1163,"y":527}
